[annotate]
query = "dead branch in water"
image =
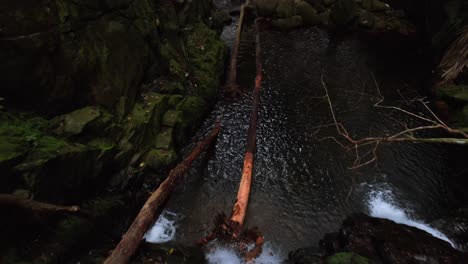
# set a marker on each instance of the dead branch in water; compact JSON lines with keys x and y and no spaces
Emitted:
{"x":13,"y":200}
{"x":132,"y":238}
{"x":406,"y":135}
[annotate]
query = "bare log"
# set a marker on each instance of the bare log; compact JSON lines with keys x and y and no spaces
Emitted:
{"x":132,"y":238}
{"x":232,"y":86}
{"x":13,"y":200}
{"x":240,"y":207}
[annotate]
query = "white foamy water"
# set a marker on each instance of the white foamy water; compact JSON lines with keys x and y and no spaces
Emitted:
{"x":382,"y":205}
{"x":226,"y":255}
{"x":163,"y":230}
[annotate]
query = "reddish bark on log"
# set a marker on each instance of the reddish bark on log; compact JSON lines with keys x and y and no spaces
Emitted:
{"x":240,"y":207}
{"x":132,"y":238}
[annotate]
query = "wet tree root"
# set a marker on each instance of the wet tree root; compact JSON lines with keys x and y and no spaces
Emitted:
{"x":132,"y":238}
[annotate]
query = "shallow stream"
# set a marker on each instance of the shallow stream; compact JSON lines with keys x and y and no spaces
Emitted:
{"x":303,"y":186}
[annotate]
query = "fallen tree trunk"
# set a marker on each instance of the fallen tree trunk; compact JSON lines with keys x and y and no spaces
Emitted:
{"x":132,"y":238}
{"x":240,"y":207}
{"x":13,"y":200}
{"x":232,"y":86}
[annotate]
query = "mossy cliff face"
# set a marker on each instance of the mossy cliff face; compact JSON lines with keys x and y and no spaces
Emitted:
{"x":96,"y":97}
{"x":71,"y":53}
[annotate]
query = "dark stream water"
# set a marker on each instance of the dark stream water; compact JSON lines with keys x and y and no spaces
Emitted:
{"x":302,"y":184}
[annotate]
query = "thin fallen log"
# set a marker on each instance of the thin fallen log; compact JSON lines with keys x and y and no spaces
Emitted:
{"x":13,"y":200}
{"x":240,"y":207}
{"x":132,"y":238}
{"x":231,"y":85}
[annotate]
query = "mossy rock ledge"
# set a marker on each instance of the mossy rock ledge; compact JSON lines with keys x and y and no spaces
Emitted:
{"x":98,"y":97}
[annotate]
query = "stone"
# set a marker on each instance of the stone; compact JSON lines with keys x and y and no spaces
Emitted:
{"x":72,"y":53}
{"x":171,"y":118}
{"x":455,"y":93}
{"x":164,"y":140}
{"x":75,"y":122}
{"x":160,"y":159}
{"x":206,"y":53}
{"x":374,"y":5}
{"x":308,"y":13}
{"x":346,"y":257}
{"x":285,"y":8}
{"x":382,"y":240}
{"x":266,"y":8}
{"x":287,"y":23}
{"x":343,"y":13}
{"x":329,"y":2}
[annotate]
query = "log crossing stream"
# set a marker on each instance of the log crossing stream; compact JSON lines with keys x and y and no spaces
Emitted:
{"x":302,"y":186}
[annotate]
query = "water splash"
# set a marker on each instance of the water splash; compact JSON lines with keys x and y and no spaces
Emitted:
{"x":225,"y":255}
{"x":382,"y":205}
{"x":164,"y":230}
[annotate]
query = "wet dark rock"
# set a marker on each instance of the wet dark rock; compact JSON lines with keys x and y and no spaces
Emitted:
{"x":285,"y":8}
{"x":266,"y":8}
{"x":455,"y":226}
{"x":169,"y":253}
{"x":308,"y":13}
{"x":344,"y":12}
{"x":287,"y":23}
{"x":306,"y":256}
{"x":386,"y":241}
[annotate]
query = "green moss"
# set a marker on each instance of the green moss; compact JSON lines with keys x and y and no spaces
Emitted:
{"x":175,"y":99}
{"x":206,"y":55}
{"x":164,"y":140}
{"x":347,"y":258}
{"x":457,"y":93}
{"x":22,"y":133}
{"x":10,"y":149}
{"x":160,"y":159}
{"x":144,"y":122}
{"x":103,"y":144}
{"x":171,"y":118}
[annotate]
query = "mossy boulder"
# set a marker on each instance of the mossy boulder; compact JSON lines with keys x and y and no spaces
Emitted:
{"x":206,"y":54}
{"x":164,"y":140}
{"x":171,"y":118}
{"x":346,"y":258}
{"x":287,"y":23}
{"x":144,"y":122}
{"x":266,"y":8}
{"x":454,"y":93}
{"x":374,"y":5}
{"x":77,"y":121}
{"x":285,"y":8}
{"x":308,"y":13}
{"x":344,"y":12}
{"x":66,"y":54}
{"x":193,"y":109}
{"x":160,"y":159}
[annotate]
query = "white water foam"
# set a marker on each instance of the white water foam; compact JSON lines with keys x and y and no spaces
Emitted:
{"x":226,"y":255}
{"x":164,"y":230}
{"x":382,"y":205}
